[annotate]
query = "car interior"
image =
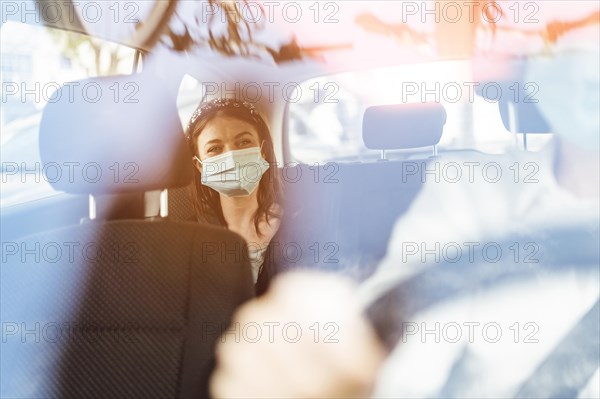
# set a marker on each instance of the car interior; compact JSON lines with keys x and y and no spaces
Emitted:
{"x":110,"y":251}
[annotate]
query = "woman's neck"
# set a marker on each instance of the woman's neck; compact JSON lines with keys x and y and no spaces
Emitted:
{"x":239,"y":211}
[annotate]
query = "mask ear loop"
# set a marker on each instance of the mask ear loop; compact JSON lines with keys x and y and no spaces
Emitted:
{"x":199,"y":161}
{"x":261,"y":147}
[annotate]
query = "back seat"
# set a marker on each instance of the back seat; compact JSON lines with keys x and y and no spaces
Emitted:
{"x":345,"y":222}
{"x":344,"y":213}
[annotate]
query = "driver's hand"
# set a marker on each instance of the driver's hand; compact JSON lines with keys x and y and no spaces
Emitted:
{"x":305,"y":338}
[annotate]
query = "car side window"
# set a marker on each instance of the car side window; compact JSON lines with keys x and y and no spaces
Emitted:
{"x":36,"y":61}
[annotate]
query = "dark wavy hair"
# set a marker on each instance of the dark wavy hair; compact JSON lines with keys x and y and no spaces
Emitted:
{"x":207,"y":203}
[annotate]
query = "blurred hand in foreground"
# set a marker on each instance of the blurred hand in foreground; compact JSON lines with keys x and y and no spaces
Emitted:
{"x":306,"y":337}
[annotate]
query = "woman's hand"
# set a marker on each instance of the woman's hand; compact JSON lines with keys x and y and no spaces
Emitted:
{"x":306,"y":337}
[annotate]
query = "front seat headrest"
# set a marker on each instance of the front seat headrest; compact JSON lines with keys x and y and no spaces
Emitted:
{"x":111,"y":135}
{"x":399,"y":126}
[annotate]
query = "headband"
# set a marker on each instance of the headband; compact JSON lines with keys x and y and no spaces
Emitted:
{"x":219,"y":104}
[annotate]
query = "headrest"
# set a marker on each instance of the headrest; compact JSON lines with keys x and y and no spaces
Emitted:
{"x":510,"y":86}
{"x":117,"y":134}
{"x":398,"y":126}
{"x":527,"y":117}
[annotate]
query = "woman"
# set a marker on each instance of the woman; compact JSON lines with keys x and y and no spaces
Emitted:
{"x":236,"y":184}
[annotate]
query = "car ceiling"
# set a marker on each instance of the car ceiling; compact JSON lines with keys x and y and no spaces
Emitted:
{"x":339,"y":26}
{"x":353,"y":46}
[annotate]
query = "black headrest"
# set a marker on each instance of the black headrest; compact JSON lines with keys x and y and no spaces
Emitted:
{"x":113,"y":134}
{"x":398,"y":126}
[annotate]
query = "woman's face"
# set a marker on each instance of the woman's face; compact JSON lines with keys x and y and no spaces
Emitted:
{"x":223,"y":134}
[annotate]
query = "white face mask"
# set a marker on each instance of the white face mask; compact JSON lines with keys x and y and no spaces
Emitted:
{"x":234,"y":173}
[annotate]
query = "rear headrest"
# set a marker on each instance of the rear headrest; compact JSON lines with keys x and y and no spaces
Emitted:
{"x":398,"y":126}
{"x":113,"y":134}
{"x":511,"y":87}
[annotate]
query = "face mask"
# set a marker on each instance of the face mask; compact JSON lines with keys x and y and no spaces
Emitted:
{"x":234,"y":173}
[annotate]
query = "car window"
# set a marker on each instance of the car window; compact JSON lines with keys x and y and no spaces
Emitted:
{"x":326,"y":112}
{"x":36,"y":60}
